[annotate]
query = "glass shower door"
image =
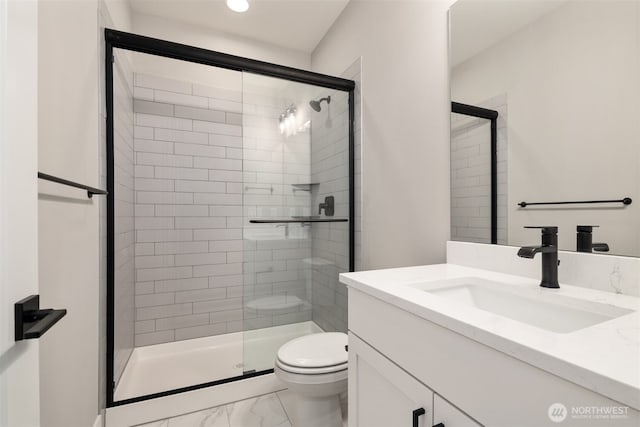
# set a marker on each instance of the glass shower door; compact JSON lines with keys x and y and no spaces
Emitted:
{"x":295,"y":170}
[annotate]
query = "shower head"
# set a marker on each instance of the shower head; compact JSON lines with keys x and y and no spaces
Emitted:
{"x":316,"y":104}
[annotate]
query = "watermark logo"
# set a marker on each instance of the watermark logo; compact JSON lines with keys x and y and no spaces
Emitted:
{"x":557,"y":412}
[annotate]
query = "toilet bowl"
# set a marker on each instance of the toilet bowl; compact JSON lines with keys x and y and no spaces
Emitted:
{"x":314,"y":368}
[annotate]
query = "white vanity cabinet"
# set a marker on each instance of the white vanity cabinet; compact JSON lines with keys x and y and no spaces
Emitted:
{"x":384,"y":395}
{"x":448,"y":415}
{"x":400,"y":362}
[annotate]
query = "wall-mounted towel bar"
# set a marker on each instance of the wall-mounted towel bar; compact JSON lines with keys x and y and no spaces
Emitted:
{"x":31,"y":321}
{"x":90,"y":190}
{"x":625,"y":201}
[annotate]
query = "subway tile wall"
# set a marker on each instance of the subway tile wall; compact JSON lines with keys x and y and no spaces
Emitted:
{"x":207,"y":161}
{"x":330,"y":169}
{"x":188,"y":210}
{"x":470,"y":175}
{"x":276,"y":256}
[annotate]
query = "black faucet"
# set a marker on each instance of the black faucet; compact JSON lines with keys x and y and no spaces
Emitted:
{"x":549,"y":251}
{"x":584,"y":242}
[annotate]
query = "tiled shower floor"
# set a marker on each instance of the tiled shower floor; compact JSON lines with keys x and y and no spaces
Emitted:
{"x":162,"y":367}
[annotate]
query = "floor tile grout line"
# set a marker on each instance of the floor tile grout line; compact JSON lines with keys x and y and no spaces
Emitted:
{"x":284,"y":408}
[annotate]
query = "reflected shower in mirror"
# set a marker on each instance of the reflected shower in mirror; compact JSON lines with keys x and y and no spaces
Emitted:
{"x":563,"y":77}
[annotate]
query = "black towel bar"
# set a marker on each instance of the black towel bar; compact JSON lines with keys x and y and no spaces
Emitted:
{"x":31,"y":321}
{"x":625,"y":201}
{"x":90,"y":190}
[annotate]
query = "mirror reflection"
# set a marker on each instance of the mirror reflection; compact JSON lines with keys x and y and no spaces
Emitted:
{"x":564,"y":80}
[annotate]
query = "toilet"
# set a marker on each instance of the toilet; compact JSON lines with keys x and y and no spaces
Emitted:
{"x":314,"y":368}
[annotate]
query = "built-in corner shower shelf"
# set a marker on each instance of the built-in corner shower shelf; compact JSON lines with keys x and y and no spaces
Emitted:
{"x":274,"y":303}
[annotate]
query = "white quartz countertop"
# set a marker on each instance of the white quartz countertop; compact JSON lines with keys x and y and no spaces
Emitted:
{"x":604,"y":358}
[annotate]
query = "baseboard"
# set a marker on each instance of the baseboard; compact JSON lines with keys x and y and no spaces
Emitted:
{"x":99,"y":421}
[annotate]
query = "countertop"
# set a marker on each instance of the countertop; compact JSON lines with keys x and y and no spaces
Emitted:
{"x":604,"y":358}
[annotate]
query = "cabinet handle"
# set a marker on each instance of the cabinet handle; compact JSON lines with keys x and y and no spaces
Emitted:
{"x":439,"y":425}
{"x":416,"y":416}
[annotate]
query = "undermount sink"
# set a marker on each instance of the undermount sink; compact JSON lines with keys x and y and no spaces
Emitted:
{"x":534,"y":306}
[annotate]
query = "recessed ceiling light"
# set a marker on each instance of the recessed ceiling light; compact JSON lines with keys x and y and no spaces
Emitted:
{"x":238,"y":5}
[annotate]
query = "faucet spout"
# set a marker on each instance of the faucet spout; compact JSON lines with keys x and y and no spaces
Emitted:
{"x":549,"y":251}
{"x":530,"y":251}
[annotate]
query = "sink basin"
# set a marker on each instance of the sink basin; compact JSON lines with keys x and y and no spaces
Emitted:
{"x":534,"y":306}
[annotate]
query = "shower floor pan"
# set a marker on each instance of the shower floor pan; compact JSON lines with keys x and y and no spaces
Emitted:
{"x":163,"y":367}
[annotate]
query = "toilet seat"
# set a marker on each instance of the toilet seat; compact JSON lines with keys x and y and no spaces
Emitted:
{"x":314,"y":354}
{"x":311,"y":371}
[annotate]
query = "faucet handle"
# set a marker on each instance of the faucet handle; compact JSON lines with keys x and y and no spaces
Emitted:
{"x":585,"y":228}
{"x":546,"y":229}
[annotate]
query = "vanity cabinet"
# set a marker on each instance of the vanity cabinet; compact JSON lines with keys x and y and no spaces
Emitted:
{"x":382,"y":394}
{"x":385,"y":395}
{"x":400,"y":362}
{"x":449,"y":415}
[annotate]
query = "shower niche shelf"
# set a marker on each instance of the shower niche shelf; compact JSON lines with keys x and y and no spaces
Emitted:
{"x":306,"y":187}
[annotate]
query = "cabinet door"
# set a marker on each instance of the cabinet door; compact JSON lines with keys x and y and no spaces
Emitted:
{"x":449,"y":415}
{"x":383,"y":395}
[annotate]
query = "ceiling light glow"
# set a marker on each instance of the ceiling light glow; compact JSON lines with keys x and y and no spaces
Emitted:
{"x":238,"y":5}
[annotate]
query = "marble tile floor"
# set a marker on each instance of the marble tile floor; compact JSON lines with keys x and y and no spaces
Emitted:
{"x":269,"y":410}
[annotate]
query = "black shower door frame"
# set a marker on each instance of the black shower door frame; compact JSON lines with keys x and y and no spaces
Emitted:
{"x":167,"y":49}
{"x":492,"y":116}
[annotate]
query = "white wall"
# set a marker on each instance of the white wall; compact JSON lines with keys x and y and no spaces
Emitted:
{"x":196,"y":36}
{"x":19,"y":369}
{"x":405,"y":148}
{"x":572,"y":84}
{"x":68,"y":125}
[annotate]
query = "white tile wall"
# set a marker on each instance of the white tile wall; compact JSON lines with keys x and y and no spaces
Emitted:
{"x":186,"y":209}
{"x":194,"y":175}
{"x":330,"y":247}
{"x":271,"y":251}
{"x":470,"y":175}
{"x":198,"y":181}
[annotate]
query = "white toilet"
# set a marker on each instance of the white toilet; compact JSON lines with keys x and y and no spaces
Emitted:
{"x":314,"y":368}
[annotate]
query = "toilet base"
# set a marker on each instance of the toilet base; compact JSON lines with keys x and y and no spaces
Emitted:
{"x":315,"y":411}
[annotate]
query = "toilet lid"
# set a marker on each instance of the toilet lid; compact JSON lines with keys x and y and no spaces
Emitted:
{"x":315,"y":350}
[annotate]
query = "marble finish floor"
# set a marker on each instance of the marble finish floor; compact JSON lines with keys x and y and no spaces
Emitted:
{"x":269,"y":410}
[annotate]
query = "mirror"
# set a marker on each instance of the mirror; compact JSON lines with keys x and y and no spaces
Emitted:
{"x":564,"y":79}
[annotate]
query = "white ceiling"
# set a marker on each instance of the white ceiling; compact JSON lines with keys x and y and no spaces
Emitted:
{"x":478,"y":24}
{"x":294,"y":24}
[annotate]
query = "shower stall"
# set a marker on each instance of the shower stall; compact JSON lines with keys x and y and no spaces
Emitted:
{"x":230,"y":213}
